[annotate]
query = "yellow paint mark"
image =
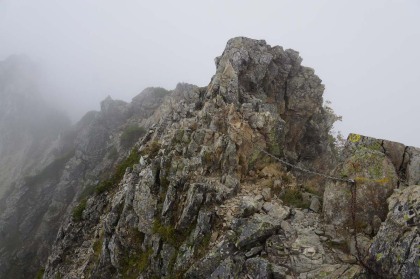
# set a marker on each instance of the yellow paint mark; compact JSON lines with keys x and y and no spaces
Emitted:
{"x":354,"y":137}
{"x":369,"y":180}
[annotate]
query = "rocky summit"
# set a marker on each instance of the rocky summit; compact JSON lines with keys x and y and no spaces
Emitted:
{"x":238,"y":179}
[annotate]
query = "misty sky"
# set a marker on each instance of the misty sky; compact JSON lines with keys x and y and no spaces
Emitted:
{"x":366,"y":52}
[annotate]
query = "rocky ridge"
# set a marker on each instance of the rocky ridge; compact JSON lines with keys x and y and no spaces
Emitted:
{"x":197,"y":198}
{"x":203,"y":201}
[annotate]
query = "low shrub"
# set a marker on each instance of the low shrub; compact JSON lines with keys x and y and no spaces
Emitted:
{"x":131,"y":135}
{"x":293,"y":197}
{"x":78,"y":210}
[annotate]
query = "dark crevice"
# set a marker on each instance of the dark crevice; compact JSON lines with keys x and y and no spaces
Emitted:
{"x":401,"y":170}
{"x":406,"y":254}
{"x":344,"y":271}
{"x":286,"y":97}
{"x":383,"y":147}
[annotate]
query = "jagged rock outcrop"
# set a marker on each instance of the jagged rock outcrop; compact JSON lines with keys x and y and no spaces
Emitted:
{"x":271,"y":80}
{"x":202,"y":200}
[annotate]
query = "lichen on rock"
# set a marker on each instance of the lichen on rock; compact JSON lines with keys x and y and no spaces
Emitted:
{"x":375,"y":179}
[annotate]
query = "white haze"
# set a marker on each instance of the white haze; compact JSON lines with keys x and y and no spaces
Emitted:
{"x":366,"y":52}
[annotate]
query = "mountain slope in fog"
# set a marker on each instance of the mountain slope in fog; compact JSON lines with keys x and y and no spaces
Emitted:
{"x":67,"y":165}
{"x":29,"y":127}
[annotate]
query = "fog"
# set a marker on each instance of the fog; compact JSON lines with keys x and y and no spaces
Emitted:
{"x":366,"y":52}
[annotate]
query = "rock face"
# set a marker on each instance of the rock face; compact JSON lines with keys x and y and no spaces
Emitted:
{"x":395,"y":249}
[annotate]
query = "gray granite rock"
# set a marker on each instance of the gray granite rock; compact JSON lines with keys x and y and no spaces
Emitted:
{"x":395,"y":249}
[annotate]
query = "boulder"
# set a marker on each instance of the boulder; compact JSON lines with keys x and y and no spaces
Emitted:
{"x":257,"y":229}
{"x":413,"y":166}
{"x":276,"y":210}
{"x":315,"y":205}
{"x":375,"y":179}
{"x":248,"y":206}
{"x":405,"y":159}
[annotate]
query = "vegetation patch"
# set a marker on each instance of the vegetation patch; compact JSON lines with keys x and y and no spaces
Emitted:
{"x":208,"y":158}
{"x":78,"y":210}
{"x":202,"y":247}
{"x":131,"y":135}
{"x":97,"y":246}
{"x":151,"y":150}
{"x":293,"y":197}
{"x":170,"y":235}
{"x":285,"y":179}
{"x":113,"y":181}
{"x":40,"y":274}
{"x":178,"y":135}
{"x":52,"y":171}
{"x":135,"y":264}
{"x":166,"y":232}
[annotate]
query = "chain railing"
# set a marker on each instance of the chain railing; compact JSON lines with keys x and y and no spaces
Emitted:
{"x":283,"y":161}
{"x":350,"y":182}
